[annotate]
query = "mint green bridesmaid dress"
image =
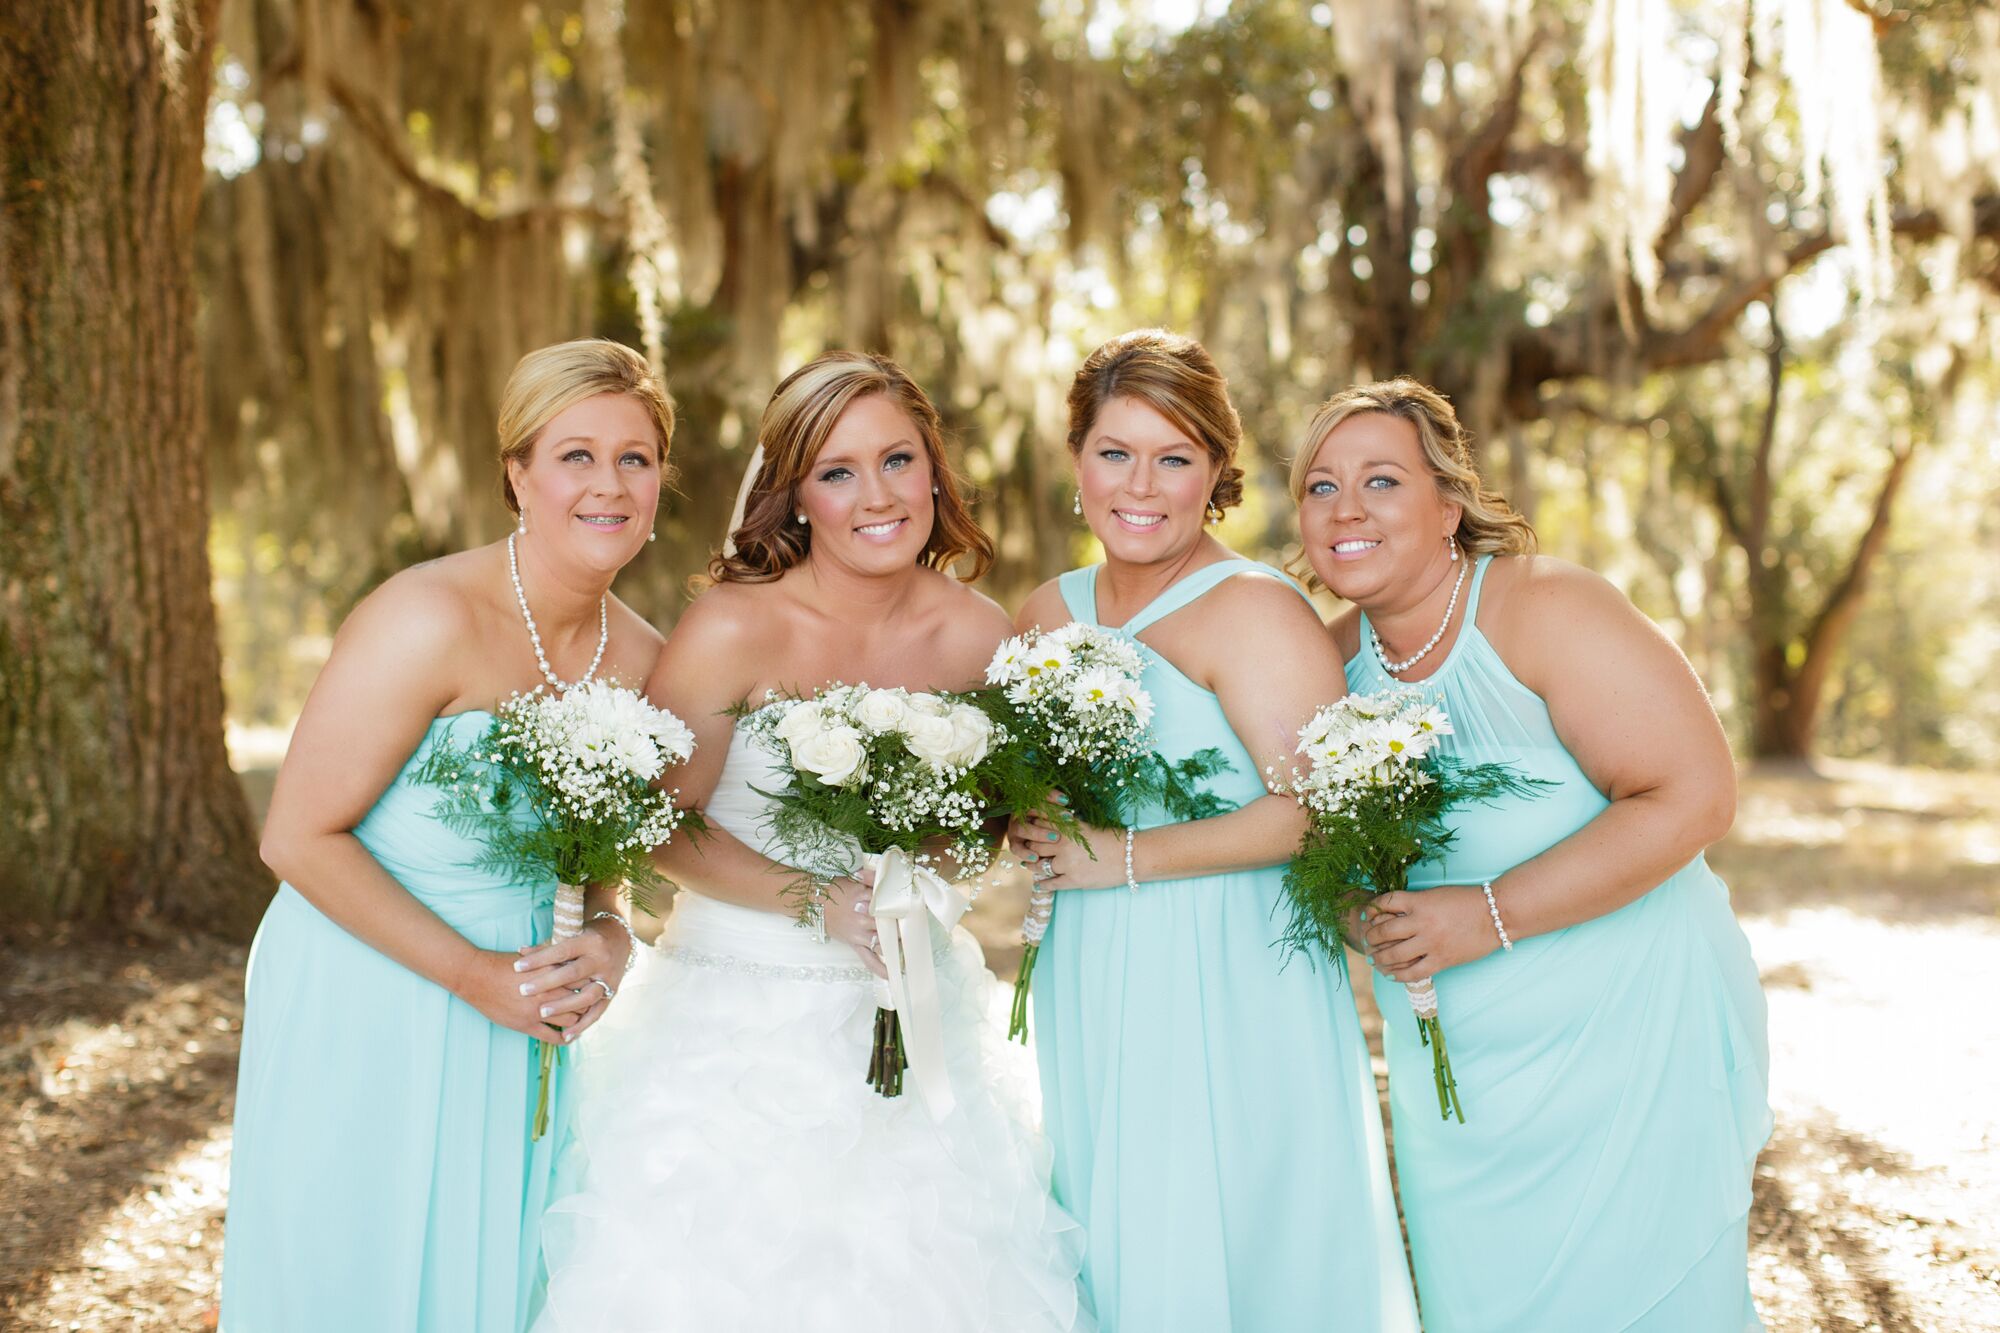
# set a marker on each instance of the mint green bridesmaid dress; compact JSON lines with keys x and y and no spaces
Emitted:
{"x":382,"y":1179}
{"x":1613,"y":1074}
{"x":1212,"y":1112}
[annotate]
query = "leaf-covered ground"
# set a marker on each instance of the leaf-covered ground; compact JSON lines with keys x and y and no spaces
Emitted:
{"x":1872,"y":897}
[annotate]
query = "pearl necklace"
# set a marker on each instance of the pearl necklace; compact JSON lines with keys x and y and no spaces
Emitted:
{"x":535,"y":635}
{"x":1397,"y":668}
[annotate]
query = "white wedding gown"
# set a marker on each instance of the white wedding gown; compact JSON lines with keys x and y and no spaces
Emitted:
{"x":733,"y":1172}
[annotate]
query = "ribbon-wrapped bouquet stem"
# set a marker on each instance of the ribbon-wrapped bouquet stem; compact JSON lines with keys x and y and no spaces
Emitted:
{"x":886,"y":780}
{"x":1078,"y":723}
{"x":1376,"y":792}
{"x":584,"y":768}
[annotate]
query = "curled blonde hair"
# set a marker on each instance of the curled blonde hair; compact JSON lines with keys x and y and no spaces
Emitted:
{"x":1487,"y":524}
{"x":1176,"y":377}
{"x":800,"y":416}
{"x":550,"y":380}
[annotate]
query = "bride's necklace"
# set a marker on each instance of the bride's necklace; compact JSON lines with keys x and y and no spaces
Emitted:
{"x":1375,"y":640}
{"x":535,"y":635}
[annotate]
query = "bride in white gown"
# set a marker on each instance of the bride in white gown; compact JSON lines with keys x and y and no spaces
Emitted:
{"x":732,"y":1169}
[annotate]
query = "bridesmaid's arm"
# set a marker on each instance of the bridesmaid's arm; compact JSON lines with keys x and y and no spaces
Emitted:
{"x":1267,"y":692}
{"x":388,"y":677}
{"x":1629,"y":708}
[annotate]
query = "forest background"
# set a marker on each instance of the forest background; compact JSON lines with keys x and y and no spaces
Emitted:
{"x":1713,"y":283}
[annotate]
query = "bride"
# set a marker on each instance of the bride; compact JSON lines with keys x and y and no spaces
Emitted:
{"x":732,"y":1167}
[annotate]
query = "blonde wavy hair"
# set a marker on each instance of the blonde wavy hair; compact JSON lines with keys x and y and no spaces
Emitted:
{"x":550,"y":380}
{"x":1487,"y":524}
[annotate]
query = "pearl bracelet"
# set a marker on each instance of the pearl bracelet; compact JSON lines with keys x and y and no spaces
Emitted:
{"x":1130,"y":882}
{"x":632,"y":936}
{"x":1493,"y":910}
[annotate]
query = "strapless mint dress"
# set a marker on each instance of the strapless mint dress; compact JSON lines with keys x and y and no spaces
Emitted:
{"x":382,"y":1177}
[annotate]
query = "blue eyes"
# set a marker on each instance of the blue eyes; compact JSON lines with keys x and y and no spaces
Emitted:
{"x":893,"y":463}
{"x":633,"y":459}
{"x":1119,"y":456}
{"x":1373,"y":483}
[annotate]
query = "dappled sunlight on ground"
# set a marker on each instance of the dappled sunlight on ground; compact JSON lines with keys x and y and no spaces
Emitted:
{"x":1871,"y":896}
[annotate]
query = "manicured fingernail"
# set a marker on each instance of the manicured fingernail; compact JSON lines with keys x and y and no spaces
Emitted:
{"x":527,"y":988}
{"x":1061,"y":799}
{"x":1052,"y":837}
{"x":548,"y":1010}
{"x":568,"y":1037}
{"x":521,"y":966}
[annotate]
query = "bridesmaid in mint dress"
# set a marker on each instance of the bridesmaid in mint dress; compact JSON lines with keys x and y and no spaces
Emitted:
{"x":1606,"y":1026}
{"x":382,"y":1177}
{"x":1212,"y":1112}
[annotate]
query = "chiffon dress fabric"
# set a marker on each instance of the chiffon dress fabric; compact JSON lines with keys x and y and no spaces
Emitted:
{"x":733,"y":1170}
{"x":1613,"y":1074}
{"x":382,"y":1176}
{"x":1214,"y":1116}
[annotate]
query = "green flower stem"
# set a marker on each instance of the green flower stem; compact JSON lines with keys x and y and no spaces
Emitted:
{"x":1017,"y":1019}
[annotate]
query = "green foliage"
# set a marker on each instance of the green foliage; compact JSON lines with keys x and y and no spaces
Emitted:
{"x":495,"y":792}
{"x":1367,"y":849}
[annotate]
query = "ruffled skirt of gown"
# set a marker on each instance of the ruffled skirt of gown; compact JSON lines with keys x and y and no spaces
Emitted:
{"x":733,"y":1170}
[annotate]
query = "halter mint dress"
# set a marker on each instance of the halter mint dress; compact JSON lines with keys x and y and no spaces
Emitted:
{"x":382,"y":1177}
{"x":1613,"y":1073}
{"x":1214,"y":1118}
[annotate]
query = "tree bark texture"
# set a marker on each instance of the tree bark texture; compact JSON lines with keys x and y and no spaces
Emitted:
{"x":120,"y":804}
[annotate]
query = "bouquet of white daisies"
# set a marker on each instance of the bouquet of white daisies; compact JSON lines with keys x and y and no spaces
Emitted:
{"x":583,"y":768}
{"x":1376,"y":792}
{"x":1079,"y":723}
{"x":891,"y":776}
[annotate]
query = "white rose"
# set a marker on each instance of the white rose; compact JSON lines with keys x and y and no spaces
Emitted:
{"x":835,"y":755}
{"x":930,"y":738}
{"x":927,"y":705}
{"x":971,"y":733}
{"x":881,"y":710}
{"x":801,"y":722}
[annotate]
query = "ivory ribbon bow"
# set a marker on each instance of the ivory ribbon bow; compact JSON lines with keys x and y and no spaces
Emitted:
{"x":906,"y":895}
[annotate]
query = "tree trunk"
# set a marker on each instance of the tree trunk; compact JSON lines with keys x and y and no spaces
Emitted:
{"x":121,"y":804}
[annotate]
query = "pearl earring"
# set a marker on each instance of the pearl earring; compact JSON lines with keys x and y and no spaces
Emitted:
{"x":804,"y":521}
{"x":1452,"y":542}
{"x":1077,"y":507}
{"x":653,"y":536}
{"x":1214,"y":512}
{"x":934,"y":490}
{"x":522,"y":526}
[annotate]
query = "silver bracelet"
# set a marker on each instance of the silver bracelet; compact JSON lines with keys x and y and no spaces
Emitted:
{"x":632,"y":936}
{"x":1130,"y":882}
{"x":1493,"y":909}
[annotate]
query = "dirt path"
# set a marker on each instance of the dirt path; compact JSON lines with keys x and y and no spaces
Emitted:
{"x":1872,"y":897}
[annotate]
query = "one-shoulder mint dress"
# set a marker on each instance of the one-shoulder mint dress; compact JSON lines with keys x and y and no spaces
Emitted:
{"x":1212,"y":1112}
{"x":1613,"y":1074}
{"x":382,"y":1179}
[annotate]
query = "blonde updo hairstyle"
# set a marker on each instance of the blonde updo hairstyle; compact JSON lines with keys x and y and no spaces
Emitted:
{"x":1487,"y":524}
{"x":800,"y":416}
{"x":549,"y":381}
{"x":1176,"y":377}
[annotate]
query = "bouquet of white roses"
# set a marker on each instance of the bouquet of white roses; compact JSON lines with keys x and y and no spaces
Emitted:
{"x":891,"y":776}
{"x":583,"y":768}
{"x":1079,"y":721}
{"x":1376,"y":792}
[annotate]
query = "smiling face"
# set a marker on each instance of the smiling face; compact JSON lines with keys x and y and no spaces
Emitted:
{"x":1145,"y":483}
{"x":1372,"y":518}
{"x":590,"y":487}
{"x":867,"y":497}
